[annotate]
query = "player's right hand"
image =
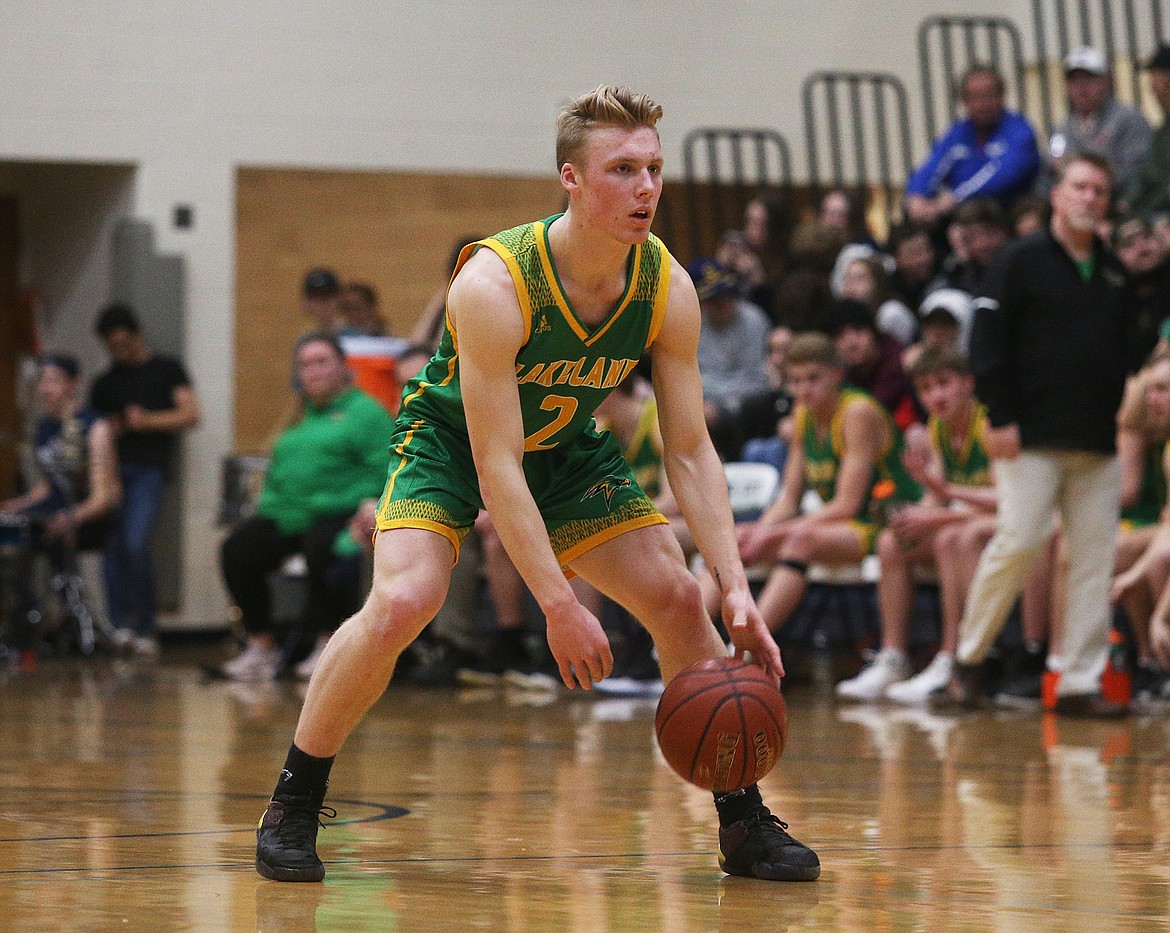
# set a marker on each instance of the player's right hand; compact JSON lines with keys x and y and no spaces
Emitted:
{"x":580,"y":647}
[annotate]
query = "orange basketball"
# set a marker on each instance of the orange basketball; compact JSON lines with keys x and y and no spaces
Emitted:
{"x":722,"y":724}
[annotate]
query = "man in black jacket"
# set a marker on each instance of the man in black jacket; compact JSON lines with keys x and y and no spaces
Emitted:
{"x":1051,"y":348}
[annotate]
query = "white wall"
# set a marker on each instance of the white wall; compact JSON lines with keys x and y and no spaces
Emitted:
{"x":187,"y":92}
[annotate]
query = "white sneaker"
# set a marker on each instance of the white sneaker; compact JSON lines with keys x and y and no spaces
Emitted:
{"x":887,"y":667}
{"x":919,"y":687}
{"x":254,"y":663}
{"x":304,"y":669}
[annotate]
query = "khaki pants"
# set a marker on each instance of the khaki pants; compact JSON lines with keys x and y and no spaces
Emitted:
{"x":1085,"y":488}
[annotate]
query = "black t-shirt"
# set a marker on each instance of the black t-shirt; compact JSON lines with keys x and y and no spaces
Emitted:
{"x":152,"y":385}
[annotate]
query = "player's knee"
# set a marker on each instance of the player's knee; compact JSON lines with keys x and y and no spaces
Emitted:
{"x":800,"y":544}
{"x":673,"y":596}
{"x":396,"y":611}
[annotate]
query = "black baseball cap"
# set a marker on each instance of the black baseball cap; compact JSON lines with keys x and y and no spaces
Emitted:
{"x":321,"y":283}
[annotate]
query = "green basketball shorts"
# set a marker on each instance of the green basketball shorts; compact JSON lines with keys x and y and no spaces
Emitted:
{"x":585,"y":490}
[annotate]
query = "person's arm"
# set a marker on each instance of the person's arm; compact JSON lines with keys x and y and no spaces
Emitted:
{"x":926,"y":181}
{"x":786,"y":505}
{"x":992,"y":356}
{"x":489,"y":324}
{"x":696,"y":475}
{"x":105,"y":489}
{"x":183,"y":416}
{"x":1131,"y":452}
{"x":1017,"y":161}
{"x":37,"y":494}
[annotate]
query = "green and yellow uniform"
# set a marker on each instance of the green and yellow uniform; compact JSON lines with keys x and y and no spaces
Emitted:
{"x":965,"y":460}
{"x":582,"y":485}
{"x":1147,"y":509}
{"x":823,"y":454}
{"x":643,"y":452}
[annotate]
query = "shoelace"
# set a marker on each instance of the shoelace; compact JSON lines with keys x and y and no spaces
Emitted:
{"x":298,"y":831}
{"x":767,"y":817}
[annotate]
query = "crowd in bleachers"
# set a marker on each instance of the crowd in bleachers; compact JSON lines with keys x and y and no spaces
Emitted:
{"x":837,"y":353}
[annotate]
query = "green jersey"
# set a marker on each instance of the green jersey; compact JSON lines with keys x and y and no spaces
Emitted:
{"x":644,"y":451}
{"x":564,"y":369}
{"x":1152,"y":495}
{"x":823,"y":453}
{"x":965,"y":460}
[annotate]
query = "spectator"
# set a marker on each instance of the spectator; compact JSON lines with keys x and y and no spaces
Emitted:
{"x":1148,"y":195}
{"x":845,"y":212}
{"x":763,"y":423}
{"x":804,"y":300}
{"x":357,"y":308}
{"x":844,"y":443}
{"x":1147,"y":261}
{"x":1097,"y":122}
{"x":1143,"y":538}
{"x":867,"y":281}
{"x":955,"y":471}
{"x":915,"y":264}
{"x":945,"y":320}
{"x":319,"y":298}
{"x":759,"y":252}
{"x":982,"y":227}
{"x":71,"y":503}
{"x":1030,"y":214}
{"x":872,"y":360}
{"x":149,"y":401}
{"x":1050,"y":351}
{"x":991,"y":153}
{"x":322,"y":468}
{"x":732,"y":341}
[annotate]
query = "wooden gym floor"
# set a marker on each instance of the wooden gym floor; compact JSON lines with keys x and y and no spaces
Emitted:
{"x":131,"y":793}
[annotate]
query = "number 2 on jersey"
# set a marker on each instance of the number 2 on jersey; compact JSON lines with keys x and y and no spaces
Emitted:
{"x":565,"y":407}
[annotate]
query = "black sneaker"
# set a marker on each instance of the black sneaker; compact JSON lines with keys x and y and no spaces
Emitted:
{"x":1023,"y":692}
{"x":760,"y":847}
{"x":286,"y":839}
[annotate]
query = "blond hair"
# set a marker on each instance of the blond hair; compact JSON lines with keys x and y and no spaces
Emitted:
{"x":605,"y":106}
{"x":813,"y":347}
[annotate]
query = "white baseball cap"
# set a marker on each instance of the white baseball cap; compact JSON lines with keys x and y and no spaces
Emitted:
{"x":1086,"y":58}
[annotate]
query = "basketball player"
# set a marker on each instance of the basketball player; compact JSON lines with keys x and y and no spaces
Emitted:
{"x":845,"y":445}
{"x":542,"y":321}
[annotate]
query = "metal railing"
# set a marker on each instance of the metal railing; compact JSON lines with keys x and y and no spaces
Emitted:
{"x":1126,"y":32}
{"x":859,"y":123}
{"x":956,"y":43}
{"x":725,"y":167}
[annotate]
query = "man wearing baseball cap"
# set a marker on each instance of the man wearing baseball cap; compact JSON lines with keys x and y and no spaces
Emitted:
{"x":1097,"y":122}
{"x":319,"y":295}
{"x":1149,"y":193}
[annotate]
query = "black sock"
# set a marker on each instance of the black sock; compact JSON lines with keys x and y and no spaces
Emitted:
{"x":303,"y":775}
{"x":738,"y":805}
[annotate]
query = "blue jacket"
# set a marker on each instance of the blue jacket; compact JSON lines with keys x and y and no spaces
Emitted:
{"x":1003,"y":168}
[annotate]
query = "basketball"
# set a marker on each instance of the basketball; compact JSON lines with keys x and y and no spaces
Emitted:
{"x":722,"y":724}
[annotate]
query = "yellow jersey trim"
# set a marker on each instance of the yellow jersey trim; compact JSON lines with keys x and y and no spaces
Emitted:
{"x":543,"y":249}
{"x":513,"y":269}
{"x":661,"y":296}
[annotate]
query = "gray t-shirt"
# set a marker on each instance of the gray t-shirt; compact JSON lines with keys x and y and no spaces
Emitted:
{"x":732,"y":358}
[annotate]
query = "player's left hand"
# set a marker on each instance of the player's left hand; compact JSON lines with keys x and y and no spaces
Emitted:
{"x":749,"y":632}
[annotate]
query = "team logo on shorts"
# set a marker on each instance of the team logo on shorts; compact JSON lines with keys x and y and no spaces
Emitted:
{"x":607,"y":487}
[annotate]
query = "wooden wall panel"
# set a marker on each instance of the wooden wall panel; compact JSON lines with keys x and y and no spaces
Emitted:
{"x":394,"y":230}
